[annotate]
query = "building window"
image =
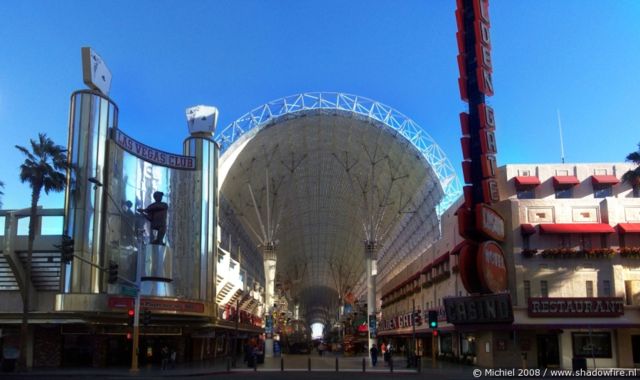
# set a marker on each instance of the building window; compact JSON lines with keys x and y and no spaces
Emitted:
{"x":631,"y":292}
{"x":565,"y":241}
{"x":606,"y":288}
{"x":526,"y":193}
{"x":602,"y":191}
{"x":563,"y":193}
{"x":527,"y":290}
{"x":595,"y":344}
{"x":590,"y":289}
{"x":524,"y":172}
{"x":544,"y":289}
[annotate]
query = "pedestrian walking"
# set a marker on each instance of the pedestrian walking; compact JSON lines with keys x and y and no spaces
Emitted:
{"x":165,"y":357}
{"x":172,"y":358}
{"x":374,"y":355}
{"x":383,"y":351}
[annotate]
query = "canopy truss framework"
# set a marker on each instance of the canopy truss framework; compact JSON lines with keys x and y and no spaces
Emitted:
{"x":308,"y":186}
{"x":262,"y":116}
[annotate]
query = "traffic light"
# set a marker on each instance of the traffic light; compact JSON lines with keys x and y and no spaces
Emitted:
{"x":146,"y":317}
{"x":417,"y":318}
{"x":113,"y":272}
{"x":433,"y":319}
{"x":66,"y":248}
{"x":132,"y":314}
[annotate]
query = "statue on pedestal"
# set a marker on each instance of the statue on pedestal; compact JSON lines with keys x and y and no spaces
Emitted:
{"x":156,"y":213}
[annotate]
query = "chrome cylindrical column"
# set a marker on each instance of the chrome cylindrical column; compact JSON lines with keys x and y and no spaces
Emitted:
{"x":90,"y":118}
{"x":205,"y":198}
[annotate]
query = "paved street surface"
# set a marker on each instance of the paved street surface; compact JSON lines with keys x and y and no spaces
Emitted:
{"x":295,"y":367}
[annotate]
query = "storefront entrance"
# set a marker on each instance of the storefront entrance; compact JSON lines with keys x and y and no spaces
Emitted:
{"x":548,"y":351}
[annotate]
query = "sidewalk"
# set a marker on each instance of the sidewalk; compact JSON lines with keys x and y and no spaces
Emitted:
{"x":292,"y":363}
{"x":183,"y":369}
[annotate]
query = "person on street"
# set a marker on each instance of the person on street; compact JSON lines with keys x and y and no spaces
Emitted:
{"x":165,"y":357}
{"x":374,"y":355}
{"x":172,"y":358}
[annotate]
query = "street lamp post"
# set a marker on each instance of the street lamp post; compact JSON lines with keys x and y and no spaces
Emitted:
{"x":136,"y":307}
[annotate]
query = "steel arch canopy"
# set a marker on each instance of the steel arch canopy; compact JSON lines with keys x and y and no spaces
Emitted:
{"x":264,"y":115}
{"x":316,"y":174}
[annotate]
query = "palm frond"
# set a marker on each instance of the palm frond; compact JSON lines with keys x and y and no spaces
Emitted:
{"x":632,"y":176}
{"x":26,"y":152}
{"x":634,"y":157}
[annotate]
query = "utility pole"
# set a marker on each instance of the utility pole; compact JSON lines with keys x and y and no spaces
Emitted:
{"x":136,"y":316}
{"x":434,"y":347}
{"x":139,"y":261}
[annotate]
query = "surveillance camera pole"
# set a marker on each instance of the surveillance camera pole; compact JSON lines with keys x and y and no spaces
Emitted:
{"x":136,"y":307}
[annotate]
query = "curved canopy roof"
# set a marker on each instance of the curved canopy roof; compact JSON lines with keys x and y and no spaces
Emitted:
{"x":318,"y":174}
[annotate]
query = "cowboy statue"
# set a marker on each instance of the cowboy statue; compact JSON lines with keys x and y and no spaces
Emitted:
{"x":156,"y":213}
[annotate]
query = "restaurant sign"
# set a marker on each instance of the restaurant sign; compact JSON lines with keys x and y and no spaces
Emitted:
{"x":576,"y":307}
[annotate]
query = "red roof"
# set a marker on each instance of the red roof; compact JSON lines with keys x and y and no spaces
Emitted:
{"x":458,"y":247}
{"x":441,"y":259}
{"x":565,"y":180}
{"x":604,"y":180}
{"x":576,"y":228}
{"x":527,"y":181}
{"x":527,"y":229}
{"x":629,"y":228}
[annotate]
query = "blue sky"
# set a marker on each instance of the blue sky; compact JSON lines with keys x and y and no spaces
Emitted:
{"x":578,"y":56}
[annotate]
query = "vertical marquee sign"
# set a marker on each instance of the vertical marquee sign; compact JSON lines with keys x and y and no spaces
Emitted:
{"x":482,"y":264}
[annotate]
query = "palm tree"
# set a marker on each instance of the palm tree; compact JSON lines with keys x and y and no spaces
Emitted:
{"x":1,"y":192}
{"x":633,"y":176}
{"x":44,"y":168}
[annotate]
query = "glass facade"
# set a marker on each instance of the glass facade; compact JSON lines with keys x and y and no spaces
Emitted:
{"x":111,"y":182}
{"x":132,"y":183}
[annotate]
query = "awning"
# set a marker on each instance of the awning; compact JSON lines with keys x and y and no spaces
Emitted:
{"x":527,"y":229}
{"x":629,"y":228}
{"x":604,"y":180}
{"x":576,"y":228}
{"x":456,"y":250}
{"x":441,"y":259}
{"x":522,"y":181}
{"x":565,"y":180}
{"x":427,"y":268}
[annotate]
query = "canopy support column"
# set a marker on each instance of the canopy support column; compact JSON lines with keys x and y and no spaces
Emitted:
{"x":269,"y":256}
{"x":372,"y":271}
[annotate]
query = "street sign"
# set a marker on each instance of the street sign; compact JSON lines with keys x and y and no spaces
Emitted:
{"x":128,"y":290}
